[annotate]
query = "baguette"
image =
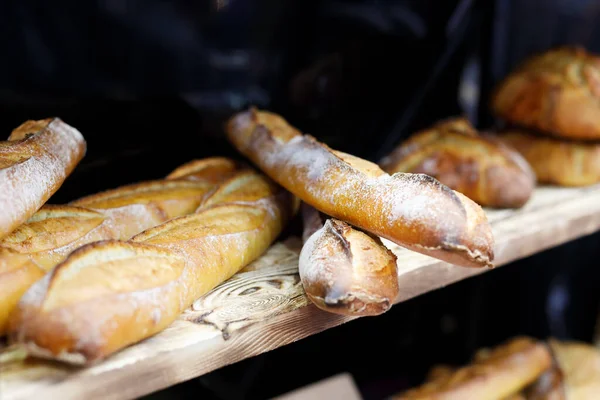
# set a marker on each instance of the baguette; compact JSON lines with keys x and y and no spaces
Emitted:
{"x":34,"y":162}
{"x":478,"y":166}
{"x":556,"y":92}
{"x":55,"y":231}
{"x":345,"y":271}
{"x":412,"y":210}
{"x":503,"y":372}
{"x":108,"y":295}
{"x":555,"y":161}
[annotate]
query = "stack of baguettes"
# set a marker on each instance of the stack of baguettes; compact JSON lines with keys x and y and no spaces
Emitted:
{"x":521,"y":369}
{"x":552,"y":106}
{"x":108,"y":270}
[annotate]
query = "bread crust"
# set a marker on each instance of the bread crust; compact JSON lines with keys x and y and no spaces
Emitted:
{"x":580,"y":366}
{"x":55,"y":231}
{"x":556,"y":92}
{"x":478,"y":166}
{"x":343,"y":270}
{"x":108,"y":295}
{"x":412,"y":210}
{"x":34,"y":162}
{"x":17,"y":272}
{"x":555,"y":161}
{"x":500,"y":373}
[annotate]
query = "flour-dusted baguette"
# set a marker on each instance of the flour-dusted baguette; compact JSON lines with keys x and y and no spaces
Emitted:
{"x":108,"y":295}
{"x":412,"y":210}
{"x":556,"y":92}
{"x":53,"y":232}
{"x":555,"y":161}
{"x":343,"y":270}
{"x":478,"y":166}
{"x":504,"y":372}
{"x":34,"y":162}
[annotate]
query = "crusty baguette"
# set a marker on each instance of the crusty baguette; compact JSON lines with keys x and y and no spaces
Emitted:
{"x":412,"y":210}
{"x":478,"y":166}
{"x":502,"y":373}
{"x":580,"y":365}
{"x":34,"y":162}
{"x":108,"y":295}
{"x":557,"y":92}
{"x":556,"y":161}
{"x":343,"y":270}
{"x":55,"y":231}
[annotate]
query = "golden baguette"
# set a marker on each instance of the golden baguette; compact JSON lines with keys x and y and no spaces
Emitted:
{"x":503,"y":372}
{"x":108,"y":295}
{"x":55,"y":231}
{"x":34,"y":162}
{"x":412,"y":210}
{"x":346,"y":271}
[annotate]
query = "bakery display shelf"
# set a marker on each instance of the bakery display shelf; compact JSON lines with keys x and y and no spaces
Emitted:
{"x":264,"y":307}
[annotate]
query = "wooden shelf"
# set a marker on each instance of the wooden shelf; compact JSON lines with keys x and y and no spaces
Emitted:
{"x":264,"y":307}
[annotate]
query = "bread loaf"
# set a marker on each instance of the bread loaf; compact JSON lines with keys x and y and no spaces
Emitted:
{"x":478,"y":166}
{"x":557,"y":92}
{"x":503,"y":372}
{"x":34,"y":163}
{"x":55,"y":231}
{"x":580,"y":366}
{"x":445,"y":372}
{"x":343,"y":270}
{"x":557,"y":162}
{"x":108,"y":295}
{"x":412,"y":210}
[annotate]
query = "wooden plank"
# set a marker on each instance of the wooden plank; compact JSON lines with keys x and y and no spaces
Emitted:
{"x":264,"y":307}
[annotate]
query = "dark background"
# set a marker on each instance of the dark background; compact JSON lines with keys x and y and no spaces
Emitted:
{"x":149,"y":83}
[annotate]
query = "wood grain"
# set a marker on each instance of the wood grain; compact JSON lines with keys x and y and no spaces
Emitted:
{"x":264,"y":307}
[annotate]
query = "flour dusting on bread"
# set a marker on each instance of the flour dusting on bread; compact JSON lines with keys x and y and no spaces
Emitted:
{"x":414,"y":211}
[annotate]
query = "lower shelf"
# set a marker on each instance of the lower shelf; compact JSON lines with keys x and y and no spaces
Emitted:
{"x":264,"y":307}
